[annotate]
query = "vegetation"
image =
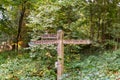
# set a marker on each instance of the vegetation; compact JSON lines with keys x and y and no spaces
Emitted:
{"x":103,"y":66}
{"x":22,"y":21}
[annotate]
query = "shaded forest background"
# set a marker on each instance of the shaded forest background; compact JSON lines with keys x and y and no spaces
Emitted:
{"x":22,"y":21}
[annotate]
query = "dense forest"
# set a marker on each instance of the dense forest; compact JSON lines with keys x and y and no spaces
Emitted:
{"x":23,"y":21}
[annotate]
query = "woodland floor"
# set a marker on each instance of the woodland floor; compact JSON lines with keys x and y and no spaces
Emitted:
{"x":104,"y":66}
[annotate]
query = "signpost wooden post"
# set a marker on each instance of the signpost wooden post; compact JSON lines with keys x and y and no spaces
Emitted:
{"x":60,"y":51}
{"x":58,"y":39}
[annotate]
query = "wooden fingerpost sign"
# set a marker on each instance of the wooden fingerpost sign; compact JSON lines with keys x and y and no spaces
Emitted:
{"x":58,"y":39}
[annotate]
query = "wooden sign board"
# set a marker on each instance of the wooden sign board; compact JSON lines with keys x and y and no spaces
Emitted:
{"x":49,"y":36}
{"x":60,"y":48}
{"x":76,"y":41}
{"x":45,"y":42}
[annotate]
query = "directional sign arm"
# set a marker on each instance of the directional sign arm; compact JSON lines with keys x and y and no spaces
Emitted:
{"x":44,"y":42}
{"x":76,"y":41}
{"x":49,"y":36}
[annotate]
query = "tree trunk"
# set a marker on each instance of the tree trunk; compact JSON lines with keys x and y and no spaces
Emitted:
{"x":98,"y":31}
{"x":91,"y":24}
{"x":20,"y":25}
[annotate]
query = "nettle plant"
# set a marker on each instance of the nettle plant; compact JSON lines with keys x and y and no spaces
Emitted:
{"x":42,"y":50}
